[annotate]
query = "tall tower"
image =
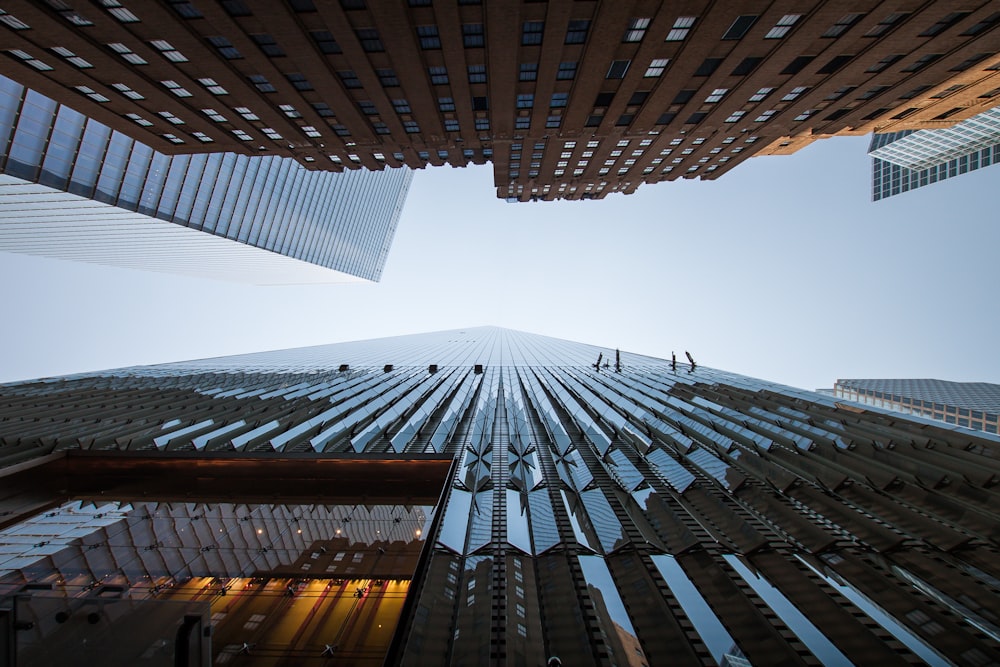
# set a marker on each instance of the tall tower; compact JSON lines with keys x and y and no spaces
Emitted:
{"x":644,"y":512}
{"x":73,"y":188}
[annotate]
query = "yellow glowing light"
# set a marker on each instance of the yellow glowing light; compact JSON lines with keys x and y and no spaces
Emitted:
{"x":260,"y":530}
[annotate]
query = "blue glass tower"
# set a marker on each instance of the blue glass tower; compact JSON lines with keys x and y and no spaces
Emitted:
{"x":73,"y":188}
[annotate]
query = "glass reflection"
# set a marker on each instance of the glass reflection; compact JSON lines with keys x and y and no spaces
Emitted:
{"x":719,"y":642}
{"x":575,"y":520}
{"x":517,"y":521}
{"x":543,"y":521}
{"x":926,"y":652}
{"x":456,"y":521}
{"x":803,"y":628}
{"x":610,"y":611}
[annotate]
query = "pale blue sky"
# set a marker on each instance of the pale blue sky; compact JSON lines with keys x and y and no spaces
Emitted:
{"x":782,"y":269}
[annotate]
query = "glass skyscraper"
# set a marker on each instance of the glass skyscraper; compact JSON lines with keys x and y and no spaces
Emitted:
{"x":597,"y":506}
{"x":973,"y":405}
{"x":73,"y":188}
{"x":903,"y":161}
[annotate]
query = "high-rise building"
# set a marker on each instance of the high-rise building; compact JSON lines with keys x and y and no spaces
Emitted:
{"x":974,"y":405}
{"x":73,"y":188}
{"x":903,"y":161}
{"x":567,"y":99}
{"x":486,"y":496}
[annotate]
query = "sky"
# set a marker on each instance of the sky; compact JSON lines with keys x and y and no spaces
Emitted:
{"x":781,"y":269}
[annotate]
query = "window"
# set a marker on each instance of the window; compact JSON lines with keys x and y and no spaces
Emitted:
{"x":683,"y":97}
{"x":367,"y":107}
{"x":636,"y":30}
{"x":835,"y":63}
{"x":411,"y":126}
{"x":235,"y":8}
{"x":525,"y":101}
{"x":325,"y":41}
{"x":522,"y":123}
{"x":353,"y":4}
{"x":708,"y":66}
{"x":923,"y":62}
{"x":477,"y":73}
{"x":473,"y":35}
{"x":480,"y":104}
{"x":782,"y":27}
{"x":734,"y":117}
{"x":746,"y":66}
{"x":138,"y":119}
{"x":604,"y":99}
{"x":176,"y":88}
{"x":246,"y":113}
{"x":945,"y":23}
{"x":567,"y":71}
{"x":126,"y":91}
{"x":446,"y":104}
{"x":695,"y":118}
{"x":576,"y":33}
{"x":270,"y":133}
{"x":552,"y":121}
{"x":682,"y":26}
{"x":885,"y":62}
{"x":91,"y":93}
{"x":261,"y":83}
{"x":428,"y":36}
{"x":793,"y":93}
{"x":369,"y":39}
{"x":805,"y":114}
{"x":531,"y":32}
{"x":843,"y":24}
{"x":268,"y":45}
{"x":740,"y":26}
{"x":765,"y":116}
{"x":618,"y":69}
{"x":349,"y":78}
{"x":843,"y":90}
{"x":225,"y":48}
{"x":172,"y":138}
{"x":299,"y":81}
{"x":887,"y":24}
{"x":451,"y":126}
{"x":310,"y":131}
{"x":797,"y":65}
{"x":214,"y":115}
{"x":559,"y":100}
{"x":482,"y":124}
{"x":638,"y":98}
{"x":115,"y":9}
{"x":969,"y":62}
{"x":873,"y":92}
{"x":12,"y":21}
{"x":439,"y":75}
{"x":656,"y":67}
{"x":127,"y":54}
{"x":71,"y":57}
{"x":168,"y":51}
{"x":529,"y":72}
{"x":716,"y":95}
{"x":323,"y":109}
{"x":387,"y":77}
{"x":185,"y":9}
{"x":978,"y":28}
